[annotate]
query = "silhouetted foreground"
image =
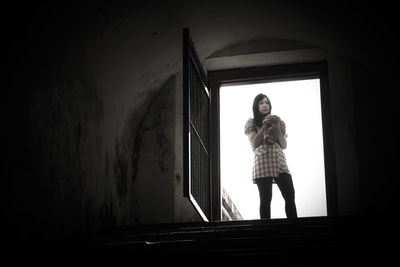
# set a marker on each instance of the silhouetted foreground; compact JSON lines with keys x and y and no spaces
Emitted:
{"x":317,"y":241}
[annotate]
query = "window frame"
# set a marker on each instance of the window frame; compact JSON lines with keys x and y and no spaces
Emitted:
{"x":286,"y":72}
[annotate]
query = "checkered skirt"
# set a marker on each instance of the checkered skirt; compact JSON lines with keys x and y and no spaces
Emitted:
{"x":269,"y":161}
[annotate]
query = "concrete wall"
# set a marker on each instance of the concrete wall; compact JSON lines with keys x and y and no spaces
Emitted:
{"x":96,"y":89}
{"x":93,"y":104}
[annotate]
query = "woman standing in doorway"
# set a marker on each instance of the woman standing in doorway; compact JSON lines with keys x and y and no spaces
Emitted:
{"x":267,"y":136}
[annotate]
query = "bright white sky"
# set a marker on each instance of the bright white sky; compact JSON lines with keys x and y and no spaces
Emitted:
{"x":298,"y":104}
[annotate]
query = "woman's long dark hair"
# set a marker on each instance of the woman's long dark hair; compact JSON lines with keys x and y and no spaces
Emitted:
{"x":258,"y":116}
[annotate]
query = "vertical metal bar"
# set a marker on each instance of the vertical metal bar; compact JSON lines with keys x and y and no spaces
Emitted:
{"x":186,"y":107}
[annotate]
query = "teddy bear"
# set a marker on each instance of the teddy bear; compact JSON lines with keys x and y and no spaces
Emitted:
{"x":273,"y":122}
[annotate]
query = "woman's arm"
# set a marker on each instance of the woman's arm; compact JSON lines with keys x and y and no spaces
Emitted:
{"x":257,"y":138}
{"x":281,"y":135}
{"x":282,"y":140}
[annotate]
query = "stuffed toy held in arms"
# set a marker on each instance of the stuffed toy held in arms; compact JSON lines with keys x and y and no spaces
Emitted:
{"x":271,"y":133}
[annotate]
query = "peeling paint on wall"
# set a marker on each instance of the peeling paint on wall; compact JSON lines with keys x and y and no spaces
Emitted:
{"x":153,"y":160}
{"x":157,"y":124}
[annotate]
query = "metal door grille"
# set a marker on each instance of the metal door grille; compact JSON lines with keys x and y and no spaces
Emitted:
{"x":198,"y":187}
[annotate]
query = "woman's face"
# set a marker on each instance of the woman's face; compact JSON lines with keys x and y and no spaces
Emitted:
{"x":264,"y":106}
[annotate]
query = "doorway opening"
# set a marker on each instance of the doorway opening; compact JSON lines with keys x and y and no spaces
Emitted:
{"x":298,"y":103}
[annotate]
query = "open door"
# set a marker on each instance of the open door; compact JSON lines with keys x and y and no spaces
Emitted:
{"x":271,"y":74}
{"x":196,"y":126}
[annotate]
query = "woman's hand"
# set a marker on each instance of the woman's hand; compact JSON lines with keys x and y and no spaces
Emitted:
{"x":267,"y":119}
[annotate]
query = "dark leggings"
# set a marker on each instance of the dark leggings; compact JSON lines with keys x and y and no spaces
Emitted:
{"x":285,"y":184}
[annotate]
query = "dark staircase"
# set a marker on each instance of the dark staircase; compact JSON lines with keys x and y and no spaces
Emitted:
{"x":312,"y":241}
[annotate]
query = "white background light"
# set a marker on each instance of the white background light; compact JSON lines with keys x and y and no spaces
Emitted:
{"x":298,"y":104}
